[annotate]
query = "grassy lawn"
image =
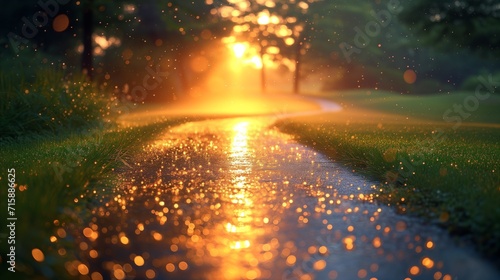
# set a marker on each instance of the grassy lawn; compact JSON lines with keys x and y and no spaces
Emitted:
{"x":61,"y":144}
{"x":53,"y":173}
{"x":446,"y":172}
{"x":430,"y":107}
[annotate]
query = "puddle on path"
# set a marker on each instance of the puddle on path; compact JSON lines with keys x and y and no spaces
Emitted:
{"x":233,"y":199}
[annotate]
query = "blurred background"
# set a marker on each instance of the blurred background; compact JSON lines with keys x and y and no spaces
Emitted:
{"x":200,"y":46}
{"x":403,"y":72}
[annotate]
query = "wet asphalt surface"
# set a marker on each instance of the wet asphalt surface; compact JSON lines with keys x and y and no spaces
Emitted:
{"x":237,"y":199}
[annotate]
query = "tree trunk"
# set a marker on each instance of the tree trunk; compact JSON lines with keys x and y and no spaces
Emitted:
{"x":88,"y":28}
{"x":298,"y":62}
{"x":262,"y":71}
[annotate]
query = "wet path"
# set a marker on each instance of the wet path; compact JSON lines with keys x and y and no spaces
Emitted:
{"x":233,"y":199}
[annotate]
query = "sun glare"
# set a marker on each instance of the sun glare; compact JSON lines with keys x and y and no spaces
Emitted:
{"x":256,"y":62}
{"x":244,"y":53}
{"x":239,"y":49}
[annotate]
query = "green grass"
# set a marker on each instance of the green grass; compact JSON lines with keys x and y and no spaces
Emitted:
{"x":59,"y":133}
{"x":49,"y":102}
{"x":427,"y":107}
{"x":425,"y":166}
{"x":53,"y":173}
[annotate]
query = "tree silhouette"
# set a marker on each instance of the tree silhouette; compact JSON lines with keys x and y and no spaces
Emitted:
{"x":87,"y":30}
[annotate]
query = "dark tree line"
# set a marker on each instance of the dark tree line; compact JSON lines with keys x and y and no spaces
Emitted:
{"x":470,"y":24}
{"x":337,"y":38}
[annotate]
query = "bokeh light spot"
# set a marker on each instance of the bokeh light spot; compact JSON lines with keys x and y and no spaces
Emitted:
{"x":139,"y":261}
{"x":38,"y":255}
{"x":319,"y":265}
{"x":60,"y":23}
{"x":183,"y":266}
{"x":96,"y":276}
{"x":83,"y":269}
{"x":410,"y":76}
{"x":414,"y":270}
{"x":119,"y":273}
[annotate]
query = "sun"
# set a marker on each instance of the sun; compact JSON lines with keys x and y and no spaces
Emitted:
{"x":245,"y":54}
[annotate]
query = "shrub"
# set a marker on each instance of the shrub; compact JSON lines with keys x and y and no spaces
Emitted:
{"x":49,"y":102}
{"x":472,"y":82}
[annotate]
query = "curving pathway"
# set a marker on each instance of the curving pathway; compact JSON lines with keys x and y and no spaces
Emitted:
{"x":236,"y":199}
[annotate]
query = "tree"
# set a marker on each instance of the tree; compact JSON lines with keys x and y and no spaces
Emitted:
{"x":88,"y":30}
{"x":332,"y":29}
{"x":279,"y":28}
{"x":303,"y":25}
{"x":254,"y":24}
{"x":470,"y":24}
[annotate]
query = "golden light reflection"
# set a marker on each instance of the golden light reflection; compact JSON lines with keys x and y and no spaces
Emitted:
{"x":240,"y":232}
{"x":240,"y":167}
{"x":238,"y":226}
{"x":240,"y":140}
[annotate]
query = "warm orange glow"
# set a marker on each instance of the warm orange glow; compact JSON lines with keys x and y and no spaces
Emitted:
{"x":289,"y":41}
{"x":170,"y":267}
{"x":239,"y":49}
{"x":83,"y":269}
{"x":103,"y":42}
{"x":139,"y":261}
{"x":256,"y":62}
{"x":273,"y":50}
{"x":200,"y":64}
{"x":414,"y":270}
{"x":38,"y":255}
{"x":240,"y":244}
{"x":183,"y":265}
{"x":319,"y":265}
{"x":303,"y":5}
{"x":349,"y":242}
{"x":96,"y":276}
{"x":264,"y":18}
{"x":150,"y":274}
{"x":243,"y":103}
{"x":427,"y":262}
{"x":243,"y":52}
{"x":362,"y":273}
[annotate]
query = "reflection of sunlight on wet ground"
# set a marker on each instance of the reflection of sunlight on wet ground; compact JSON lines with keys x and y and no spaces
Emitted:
{"x":233,"y":199}
{"x":220,"y":105}
{"x":240,"y":230}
